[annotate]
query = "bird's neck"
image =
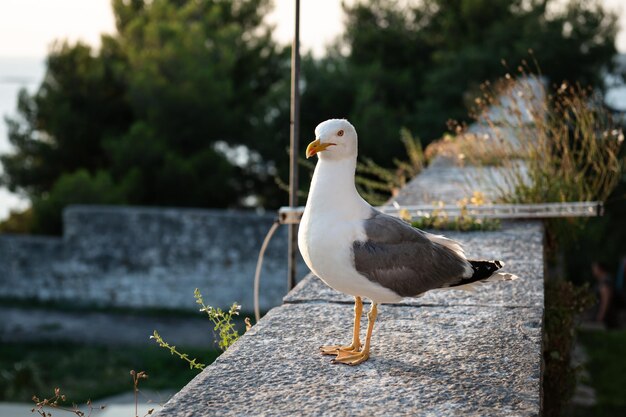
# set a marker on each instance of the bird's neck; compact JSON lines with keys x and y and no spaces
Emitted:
{"x":333,"y":188}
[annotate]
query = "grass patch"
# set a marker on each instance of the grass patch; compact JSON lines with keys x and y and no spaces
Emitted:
{"x":607,"y":368}
{"x":89,"y":372}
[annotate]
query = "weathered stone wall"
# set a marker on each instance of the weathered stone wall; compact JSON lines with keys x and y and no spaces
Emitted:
{"x":147,"y":257}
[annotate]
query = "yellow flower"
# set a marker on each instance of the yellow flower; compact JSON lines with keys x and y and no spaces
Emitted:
{"x":405,"y":214}
{"x":478,"y":198}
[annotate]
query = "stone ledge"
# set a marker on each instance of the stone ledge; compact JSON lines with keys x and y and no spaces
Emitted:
{"x":453,"y":360}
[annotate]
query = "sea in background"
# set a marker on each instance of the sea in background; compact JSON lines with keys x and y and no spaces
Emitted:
{"x":15,"y":74}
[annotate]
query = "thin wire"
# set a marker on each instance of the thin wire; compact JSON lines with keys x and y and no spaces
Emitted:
{"x":259,"y":264}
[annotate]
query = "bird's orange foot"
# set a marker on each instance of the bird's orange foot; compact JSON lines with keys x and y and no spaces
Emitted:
{"x":337,"y":349}
{"x":351,"y":358}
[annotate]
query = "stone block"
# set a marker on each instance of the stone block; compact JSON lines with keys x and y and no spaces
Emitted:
{"x":425,"y":361}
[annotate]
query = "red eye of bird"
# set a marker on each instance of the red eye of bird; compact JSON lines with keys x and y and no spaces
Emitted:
{"x":340,"y":133}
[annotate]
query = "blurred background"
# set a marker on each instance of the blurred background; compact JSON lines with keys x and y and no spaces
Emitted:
{"x":185,"y":103}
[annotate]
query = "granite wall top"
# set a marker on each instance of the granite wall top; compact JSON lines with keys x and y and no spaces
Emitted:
{"x":430,"y":361}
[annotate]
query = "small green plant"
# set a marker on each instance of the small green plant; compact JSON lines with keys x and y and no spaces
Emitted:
{"x":224,"y":328}
{"x":461,"y":224}
{"x":439,"y":218}
{"x":193,"y":363}
{"x":223,"y":321}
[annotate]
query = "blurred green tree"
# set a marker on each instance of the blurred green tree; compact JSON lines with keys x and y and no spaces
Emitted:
{"x":417,"y":64}
{"x":170,"y":109}
{"x":188,"y":103}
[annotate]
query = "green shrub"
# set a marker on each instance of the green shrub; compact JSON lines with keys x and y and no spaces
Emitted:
{"x":80,"y":187}
{"x":564,"y":301}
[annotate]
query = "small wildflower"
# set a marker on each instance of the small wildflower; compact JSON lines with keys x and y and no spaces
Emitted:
{"x":478,"y":198}
{"x":404,"y":214}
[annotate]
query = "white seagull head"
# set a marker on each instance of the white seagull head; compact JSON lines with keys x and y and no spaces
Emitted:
{"x":334,"y":139}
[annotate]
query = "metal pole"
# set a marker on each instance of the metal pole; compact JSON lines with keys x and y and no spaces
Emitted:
{"x":293,"y":147}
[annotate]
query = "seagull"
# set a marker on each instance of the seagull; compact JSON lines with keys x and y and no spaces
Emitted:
{"x":362,"y":252}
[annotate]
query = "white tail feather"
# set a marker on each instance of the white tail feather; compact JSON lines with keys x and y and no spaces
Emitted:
{"x":501,"y":276}
{"x":471,"y":287}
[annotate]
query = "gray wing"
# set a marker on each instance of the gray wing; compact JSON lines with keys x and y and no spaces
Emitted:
{"x":404,"y":259}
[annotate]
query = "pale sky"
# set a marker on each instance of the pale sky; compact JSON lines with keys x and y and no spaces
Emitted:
{"x":27,"y":27}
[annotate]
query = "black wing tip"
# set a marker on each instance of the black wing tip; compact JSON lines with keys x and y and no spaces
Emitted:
{"x":482,"y":270}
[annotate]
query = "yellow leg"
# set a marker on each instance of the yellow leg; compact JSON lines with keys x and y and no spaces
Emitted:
{"x":356,"y":342}
{"x":355,"y":358}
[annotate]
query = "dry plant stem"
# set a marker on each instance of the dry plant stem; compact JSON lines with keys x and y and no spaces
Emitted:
{"x":138,"y":376}
{"x":53,"y":402}
{"x":555,"y":147}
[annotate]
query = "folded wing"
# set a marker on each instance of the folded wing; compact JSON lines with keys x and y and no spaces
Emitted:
{"x":407,"y":260}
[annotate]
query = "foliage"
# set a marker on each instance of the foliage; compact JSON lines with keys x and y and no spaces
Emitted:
{"x":87,"y":372}
{"x":224,"y":327}
{"x":223,"y":321}
{"x":417,"y":63}
{"x":469,"y":147}
{"x":166,"y":110}
{"x":77,"y":187}
{"x":439,"y":218}
{"x":187,"y":104}
{"x":607,"y":369}
{"x":193,"y":363}
{"x":568,"y":142}
{"x":18,"y":222}
{"x":377,"y":183}
{"x":58,"y":401}
{"x":564,"y":302}
{"x":461,"y":224}
{"x":61,"y":128}
{"x":559,"y":147}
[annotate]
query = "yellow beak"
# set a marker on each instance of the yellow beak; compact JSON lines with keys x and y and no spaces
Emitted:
{"x":316,"y":146}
